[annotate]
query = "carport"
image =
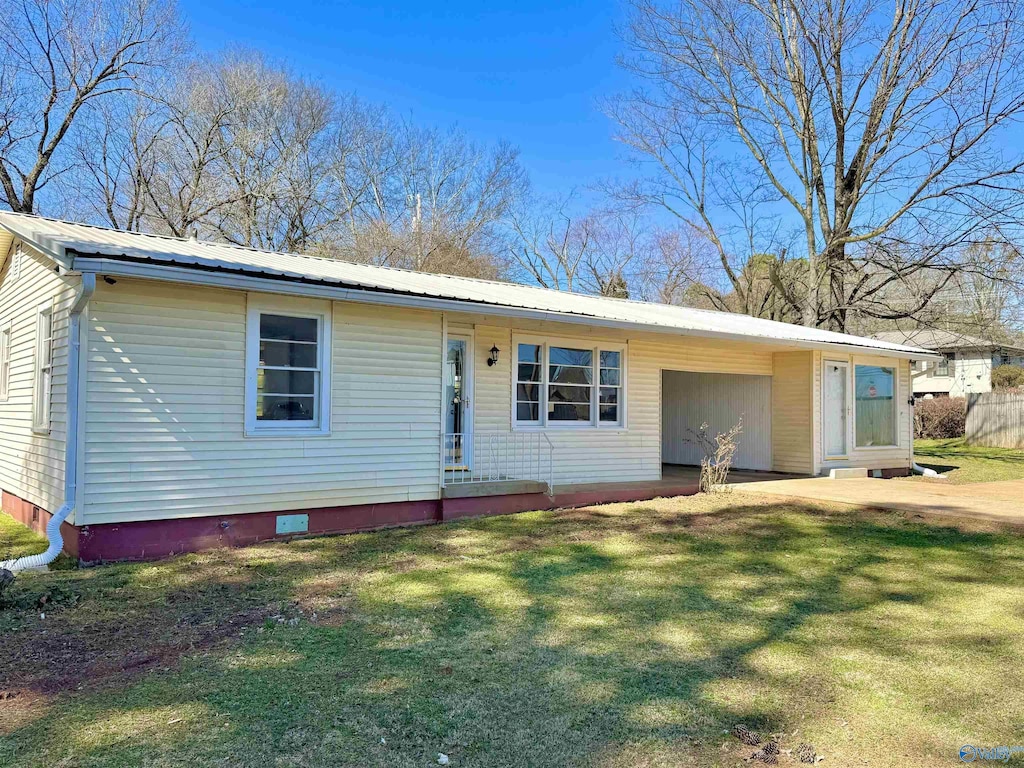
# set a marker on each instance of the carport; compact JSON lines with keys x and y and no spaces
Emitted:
{"x":690,"y":399}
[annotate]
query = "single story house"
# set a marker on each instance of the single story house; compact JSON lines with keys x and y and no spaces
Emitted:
{"x":159,"y":395}
{"x":965,"y":367}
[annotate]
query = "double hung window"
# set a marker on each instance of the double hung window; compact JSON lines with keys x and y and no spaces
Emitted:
{"x":567,"y":385}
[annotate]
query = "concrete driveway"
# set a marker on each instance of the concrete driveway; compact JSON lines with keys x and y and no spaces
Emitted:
{"x":998,"y":502}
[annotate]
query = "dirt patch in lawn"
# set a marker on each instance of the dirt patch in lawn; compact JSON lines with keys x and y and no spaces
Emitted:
{"x":70,"y":636}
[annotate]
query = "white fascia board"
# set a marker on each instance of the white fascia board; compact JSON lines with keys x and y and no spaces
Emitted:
{"x":242,"y":282}
{"x":51,"y":249}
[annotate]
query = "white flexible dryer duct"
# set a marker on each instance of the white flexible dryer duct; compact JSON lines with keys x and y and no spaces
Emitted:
{"x":928,"y":472}
{"x":85,"y":292}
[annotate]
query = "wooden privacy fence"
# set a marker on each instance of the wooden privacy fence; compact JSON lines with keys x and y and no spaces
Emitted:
{"x":996,"y":420}
{"x":875,"y":417}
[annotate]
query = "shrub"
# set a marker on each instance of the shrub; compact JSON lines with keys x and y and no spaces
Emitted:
{"x":719,"y":452}
{"x":1008,"y":377}
{"x":940,"y":418}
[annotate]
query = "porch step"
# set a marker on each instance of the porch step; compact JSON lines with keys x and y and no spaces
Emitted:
{"x":846,"y":473}
{"x":474,"y":490}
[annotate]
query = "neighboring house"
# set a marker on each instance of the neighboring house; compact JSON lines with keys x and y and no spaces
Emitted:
{"x":966,"y":365}
{"x":175,"y":394}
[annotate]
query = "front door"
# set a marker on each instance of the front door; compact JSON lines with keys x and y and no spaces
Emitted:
{"x":458,"y":393}
{"x":835,"y":408}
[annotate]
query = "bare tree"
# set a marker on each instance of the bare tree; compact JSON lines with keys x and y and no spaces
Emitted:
{"x":115,"y":153}
{"x":549,"y":243}
{"x":181,"y":169}
{"x":679,"y":262}
{"x":435,"y":200}
{"x":241,"y":150}
{"x":874,"y":123}
{"x":619,"y":245}
{"x":983,"y":300}
{"x":58,"y":58}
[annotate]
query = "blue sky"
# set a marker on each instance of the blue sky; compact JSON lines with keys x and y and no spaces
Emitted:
{"x":529,"y":72}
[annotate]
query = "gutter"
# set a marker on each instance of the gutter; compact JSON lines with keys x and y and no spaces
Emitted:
{"x":85,"y":292}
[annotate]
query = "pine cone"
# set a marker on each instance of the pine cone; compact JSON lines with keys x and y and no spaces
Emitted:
{"x":806,"y":754}
{"x":746,"y":735}
{"x":771,"y":747}
{"x":768,"y":758}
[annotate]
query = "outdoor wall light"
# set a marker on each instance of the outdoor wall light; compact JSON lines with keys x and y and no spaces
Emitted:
{"x":494,"y":356}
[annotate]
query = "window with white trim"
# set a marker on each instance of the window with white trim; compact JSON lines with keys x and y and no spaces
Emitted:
{"x":945,"y":367}
{"x":287,"y":379}
{"x":875,"y":407}
{"x":42,"y":392}
{"x":5,"y":361}
{"x":568,"y":385}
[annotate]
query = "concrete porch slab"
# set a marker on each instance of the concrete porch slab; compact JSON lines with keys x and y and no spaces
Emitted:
{"x":492,"y":488}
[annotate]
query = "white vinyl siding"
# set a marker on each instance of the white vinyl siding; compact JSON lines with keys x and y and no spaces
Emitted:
{"x":970,"y":373}
{"x":32,"y":462}
{"x":631,"y":452}
{"x":166,"y":373}
{"x":792,"y":405}
{"x":166,"y":410}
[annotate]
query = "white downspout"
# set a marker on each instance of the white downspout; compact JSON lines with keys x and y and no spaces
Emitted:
{"x":85,"y":292}
{"x":915,"y":467}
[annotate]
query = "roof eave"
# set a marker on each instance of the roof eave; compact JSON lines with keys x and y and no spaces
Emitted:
{"x":51,"y":249}
{"x":238,"y":281}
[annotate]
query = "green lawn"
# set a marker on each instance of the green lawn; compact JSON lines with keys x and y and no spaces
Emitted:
{"x":17,"y":541}
{"x":622,"y":635}
{"x":969,"y":464}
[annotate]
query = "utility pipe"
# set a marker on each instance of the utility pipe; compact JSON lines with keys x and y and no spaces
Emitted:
{"x":928,"y":472}
{"x":53,"y":534}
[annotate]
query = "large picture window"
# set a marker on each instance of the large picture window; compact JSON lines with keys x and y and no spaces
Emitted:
{"x":287,"y":376}
{"x":563,"y":385}
{"x":875,"y":388}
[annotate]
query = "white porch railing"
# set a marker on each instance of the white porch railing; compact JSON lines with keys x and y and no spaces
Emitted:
{"x":482,"y":457}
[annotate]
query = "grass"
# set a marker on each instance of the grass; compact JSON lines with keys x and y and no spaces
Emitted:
{"x":620,"y":635}
{"x":18,"y":541}
{"x":967,"y":463}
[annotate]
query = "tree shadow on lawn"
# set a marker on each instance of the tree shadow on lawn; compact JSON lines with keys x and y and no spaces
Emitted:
{"x":630,"y":634}
{"x":968,"y":453}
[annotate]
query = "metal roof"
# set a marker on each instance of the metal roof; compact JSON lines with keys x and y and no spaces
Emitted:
{"x":76,"y":245}
{"x":936,"y":338}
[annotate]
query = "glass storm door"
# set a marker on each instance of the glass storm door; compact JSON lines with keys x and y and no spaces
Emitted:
{"x":835,"y":430}
{"x":458,"y":385}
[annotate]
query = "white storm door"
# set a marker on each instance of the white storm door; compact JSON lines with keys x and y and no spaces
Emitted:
{"x":835,"y":428}
{"x":458,"y":400}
